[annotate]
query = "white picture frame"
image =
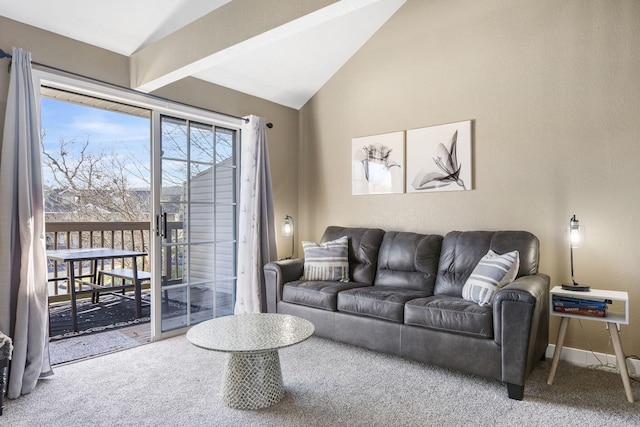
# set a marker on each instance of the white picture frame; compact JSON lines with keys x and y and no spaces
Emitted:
{"x":378,"y":164}
{"x":439,"y":158}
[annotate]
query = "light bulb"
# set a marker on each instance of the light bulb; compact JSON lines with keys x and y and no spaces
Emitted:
{"x":574,"y":232}
{"x":287,"y":226}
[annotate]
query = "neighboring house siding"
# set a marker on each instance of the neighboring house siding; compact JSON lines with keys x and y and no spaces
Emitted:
{"x":211,"y":223}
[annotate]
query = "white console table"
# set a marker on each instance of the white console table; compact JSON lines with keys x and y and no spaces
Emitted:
{"x":613,"y":320}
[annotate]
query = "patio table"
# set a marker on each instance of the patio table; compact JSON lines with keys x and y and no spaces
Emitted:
{"x":73,"y":256}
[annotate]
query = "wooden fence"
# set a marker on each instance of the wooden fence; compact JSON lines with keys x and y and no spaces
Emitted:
{"x":116,"y":235}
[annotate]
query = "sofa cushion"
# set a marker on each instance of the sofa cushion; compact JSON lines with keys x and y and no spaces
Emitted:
{"x":450,"y":314}
{"x":314,"y":293}
{"x":492,"y":272}
{"x":364,"y":244}
{"x":327,"y":261}
{"x":408,"y":261}
{"x":381,"y":302}
{"x":461,"y":252}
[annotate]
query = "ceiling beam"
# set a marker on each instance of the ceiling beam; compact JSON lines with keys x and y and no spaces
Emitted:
{"x":233,"y":29}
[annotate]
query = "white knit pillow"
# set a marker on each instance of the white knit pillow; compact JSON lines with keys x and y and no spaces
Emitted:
{"x":327,"y":261}
{"x":492,"y":273}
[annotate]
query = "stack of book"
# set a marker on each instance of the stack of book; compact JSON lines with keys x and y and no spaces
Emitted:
{"x":581,"y":306}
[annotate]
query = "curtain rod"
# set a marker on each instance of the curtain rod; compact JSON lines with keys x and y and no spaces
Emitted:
{"x":4,"y":54}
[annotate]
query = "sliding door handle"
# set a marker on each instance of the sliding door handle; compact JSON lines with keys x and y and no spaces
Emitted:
{"x":164,"y":225}
{"x":161,"y":225}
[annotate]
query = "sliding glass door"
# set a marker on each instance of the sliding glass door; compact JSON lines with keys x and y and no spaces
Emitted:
{"x":195,"y":221}
{"x":193,"y":186}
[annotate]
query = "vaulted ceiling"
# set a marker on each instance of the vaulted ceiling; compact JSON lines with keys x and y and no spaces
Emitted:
{"x":280,"y":50}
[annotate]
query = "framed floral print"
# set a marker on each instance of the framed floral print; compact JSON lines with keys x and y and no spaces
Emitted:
{"x":439,"y":158}
{"x":377,"y":164}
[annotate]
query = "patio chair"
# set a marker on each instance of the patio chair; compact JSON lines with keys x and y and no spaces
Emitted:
{"x":124,"y":274}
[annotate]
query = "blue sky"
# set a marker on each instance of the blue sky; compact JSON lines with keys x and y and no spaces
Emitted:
{"x":111,"y":133}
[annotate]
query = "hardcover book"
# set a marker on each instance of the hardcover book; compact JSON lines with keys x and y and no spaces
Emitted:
{"x":581,"y":306}
{"x":581,"y":311}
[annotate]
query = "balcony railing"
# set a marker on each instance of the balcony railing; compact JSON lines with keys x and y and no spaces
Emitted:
{"x":116,"y":235}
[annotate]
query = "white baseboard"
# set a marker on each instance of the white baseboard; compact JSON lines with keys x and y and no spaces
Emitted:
{"x":586,"y":358}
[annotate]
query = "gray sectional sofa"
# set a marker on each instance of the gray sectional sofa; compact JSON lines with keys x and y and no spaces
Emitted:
{"x":404,"y":297}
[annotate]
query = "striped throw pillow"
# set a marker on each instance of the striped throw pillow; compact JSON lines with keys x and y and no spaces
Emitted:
{"x":327,"y":261}
{"x":492,"y":273}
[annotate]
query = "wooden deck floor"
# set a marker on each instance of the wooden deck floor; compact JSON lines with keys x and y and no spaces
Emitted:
{"x":140,"y":332}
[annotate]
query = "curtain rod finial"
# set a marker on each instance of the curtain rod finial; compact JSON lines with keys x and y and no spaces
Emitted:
{"x":4,"y":54}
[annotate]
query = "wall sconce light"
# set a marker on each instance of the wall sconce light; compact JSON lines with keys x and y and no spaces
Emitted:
{"x":576,"y":235}
{"x":288,"y":229}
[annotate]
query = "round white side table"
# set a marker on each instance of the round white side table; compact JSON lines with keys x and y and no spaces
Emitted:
{"x":252,"y":377}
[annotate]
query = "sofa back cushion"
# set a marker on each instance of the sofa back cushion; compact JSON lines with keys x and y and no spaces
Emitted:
{"x":461,"y":252}
{"x":409,"y":261}
{"x":364,"y":244}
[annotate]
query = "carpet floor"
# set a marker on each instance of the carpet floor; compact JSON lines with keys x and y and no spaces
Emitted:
{"x":173,"y":383}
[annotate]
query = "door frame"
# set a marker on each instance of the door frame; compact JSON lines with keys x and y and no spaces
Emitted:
{"x":158,"y":107}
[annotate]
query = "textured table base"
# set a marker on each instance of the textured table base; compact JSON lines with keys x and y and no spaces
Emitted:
{"x":252,"y":380}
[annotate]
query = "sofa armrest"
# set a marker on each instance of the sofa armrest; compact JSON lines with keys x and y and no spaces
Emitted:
{"x":531,"y":290}
{"x":521,"y":325}
{"x":276,"y":274}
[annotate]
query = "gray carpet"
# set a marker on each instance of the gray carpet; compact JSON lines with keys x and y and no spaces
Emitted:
{"x":83,"y":346}
{"x":173,"y":383}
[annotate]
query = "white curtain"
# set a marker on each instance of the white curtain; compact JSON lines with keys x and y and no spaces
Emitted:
{"x":256,"y":228}
{"x":24,"y":314}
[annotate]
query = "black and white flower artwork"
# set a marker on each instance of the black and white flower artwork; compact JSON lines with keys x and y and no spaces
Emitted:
{"x":377,"y":165}
{"x":439,"y":158}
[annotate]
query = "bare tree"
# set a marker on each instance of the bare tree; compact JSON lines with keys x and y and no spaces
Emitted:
{"x":90,"y":186}
{"x":96,"y":186}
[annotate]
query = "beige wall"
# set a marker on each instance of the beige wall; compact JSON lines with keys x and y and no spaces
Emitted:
{"x":553,"y":90}
{"x":64,"y":53}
